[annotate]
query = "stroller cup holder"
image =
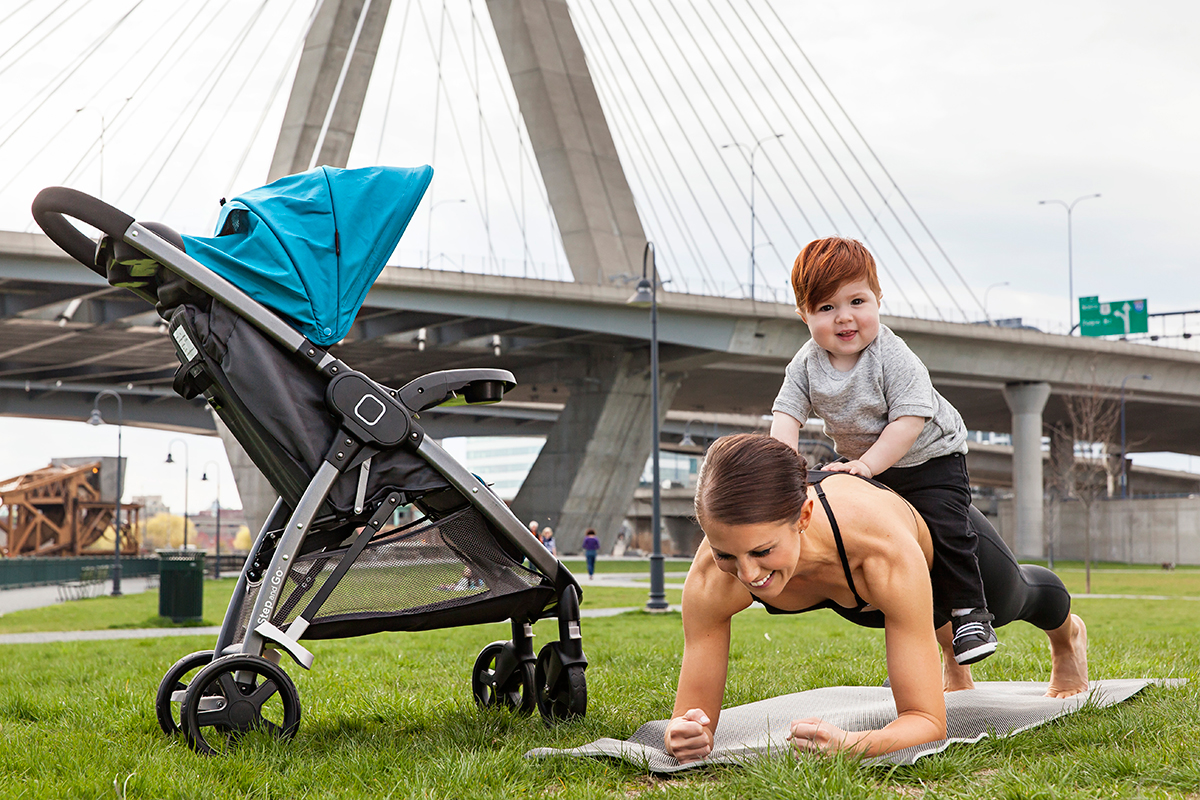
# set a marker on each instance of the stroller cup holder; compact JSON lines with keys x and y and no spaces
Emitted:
{"x":344,"y":453}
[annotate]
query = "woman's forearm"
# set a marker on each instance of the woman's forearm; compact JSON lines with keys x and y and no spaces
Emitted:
{"x":906,"y":730}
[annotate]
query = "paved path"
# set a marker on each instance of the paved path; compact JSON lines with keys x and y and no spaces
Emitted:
{"x":38,"y":596}
{"x":210,"y":631}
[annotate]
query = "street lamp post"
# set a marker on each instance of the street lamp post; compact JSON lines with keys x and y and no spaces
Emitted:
{"x":1124,"y":477}
{"x":647,"y":295}
{"x":753,"y":223}
{"x":186,"y":465}
{"x":1070,"y":266}
{"x":96,"y":419}
{"x":217,"y":537}
{"x":986,"y":315}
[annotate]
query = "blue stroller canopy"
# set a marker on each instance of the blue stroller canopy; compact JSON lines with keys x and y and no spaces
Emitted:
{"x":309,"y":246}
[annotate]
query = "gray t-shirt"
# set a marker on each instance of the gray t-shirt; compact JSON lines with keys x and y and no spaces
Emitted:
{"x":888,"y":382}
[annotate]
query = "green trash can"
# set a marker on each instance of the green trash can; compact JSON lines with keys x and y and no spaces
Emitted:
{"x":181,"y":584}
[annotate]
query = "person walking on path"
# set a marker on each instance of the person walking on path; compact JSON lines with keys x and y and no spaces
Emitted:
{"x":591,"y":546}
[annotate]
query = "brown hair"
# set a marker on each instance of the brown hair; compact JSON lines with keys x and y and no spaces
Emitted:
{"x":825,"y":265}
{"x":748,"y":479}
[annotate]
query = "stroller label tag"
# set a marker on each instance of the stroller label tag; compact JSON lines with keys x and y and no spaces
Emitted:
{"x":185,"y":343}
{"x":373,"y":407}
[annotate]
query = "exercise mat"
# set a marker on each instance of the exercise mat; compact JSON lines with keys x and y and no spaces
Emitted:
{"x":993,"y":708}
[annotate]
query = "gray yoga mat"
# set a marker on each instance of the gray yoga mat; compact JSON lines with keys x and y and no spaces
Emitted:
{"x":995,"y":708}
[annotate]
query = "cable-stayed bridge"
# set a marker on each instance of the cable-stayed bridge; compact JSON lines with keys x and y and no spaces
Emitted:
{"x":564,"y":136}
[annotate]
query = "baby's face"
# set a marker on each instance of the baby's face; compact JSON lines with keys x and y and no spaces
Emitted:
{"x":843,"y":325}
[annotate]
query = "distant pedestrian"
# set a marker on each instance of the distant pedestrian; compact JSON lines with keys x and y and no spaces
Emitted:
{"x":591,"y":546}
{"x":548,"y":540}
{"x":533,"y":528}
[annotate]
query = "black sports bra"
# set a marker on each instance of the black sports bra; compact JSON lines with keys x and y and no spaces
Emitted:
{"x":863,"y":606}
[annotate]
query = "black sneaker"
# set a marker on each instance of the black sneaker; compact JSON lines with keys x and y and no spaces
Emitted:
{"x":974,"y":639}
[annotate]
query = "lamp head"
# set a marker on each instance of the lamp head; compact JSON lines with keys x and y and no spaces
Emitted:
{"x":644,"y":296}
{"x":204,"y":476}
{"x":170,"y":458}
{"x":95,"y":418}
{"x":687,"y":440}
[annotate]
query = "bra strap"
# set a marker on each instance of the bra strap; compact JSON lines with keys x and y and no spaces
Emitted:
{"x":837,"y":538}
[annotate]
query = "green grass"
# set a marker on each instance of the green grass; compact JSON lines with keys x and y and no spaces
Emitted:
{"x":391,"y":716}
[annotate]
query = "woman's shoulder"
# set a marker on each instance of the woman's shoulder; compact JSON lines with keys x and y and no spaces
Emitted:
{"x":863,"y":506}
{"x":711,"y":592}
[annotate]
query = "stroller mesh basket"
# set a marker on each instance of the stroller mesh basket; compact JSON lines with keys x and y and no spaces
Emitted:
{"x":426,"y":575}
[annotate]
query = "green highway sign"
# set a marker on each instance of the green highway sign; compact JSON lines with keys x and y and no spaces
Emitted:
{"x":1112,"y":319}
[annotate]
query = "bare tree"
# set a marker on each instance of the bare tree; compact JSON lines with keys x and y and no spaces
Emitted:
{"x":1093,"y":417}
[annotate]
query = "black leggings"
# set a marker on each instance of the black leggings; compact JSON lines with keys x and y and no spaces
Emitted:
{"x":1014,"y":591}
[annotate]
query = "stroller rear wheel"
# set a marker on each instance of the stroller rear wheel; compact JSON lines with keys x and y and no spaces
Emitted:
{"x":173,"y":686}
{"x":561,"y":688}
{"x":235,"y":695}
{"x":499,"y":679}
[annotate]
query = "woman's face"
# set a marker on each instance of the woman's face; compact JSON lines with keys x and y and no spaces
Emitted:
{"x":763,"y":556}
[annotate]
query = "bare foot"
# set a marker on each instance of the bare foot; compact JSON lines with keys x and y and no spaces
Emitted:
{"x":955,"y":676}
{"x":1068,"y":659}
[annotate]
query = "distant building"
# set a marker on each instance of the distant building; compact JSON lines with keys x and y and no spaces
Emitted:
{"x":232,"y":519}
{"x":152,"y":505}
{"x":502,"y":461}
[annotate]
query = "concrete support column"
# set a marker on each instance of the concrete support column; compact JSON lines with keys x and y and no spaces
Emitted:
{"x":1026,"y":401}
{"x":587,"y":471}
{"x":256,"y":493}
{"x":317,"y":75}
{"x":593,"y":205}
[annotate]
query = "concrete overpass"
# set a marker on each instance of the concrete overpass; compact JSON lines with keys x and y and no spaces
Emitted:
{"x":64,"y":334}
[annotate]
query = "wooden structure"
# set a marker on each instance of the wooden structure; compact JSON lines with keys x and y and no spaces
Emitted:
{"x":58,"y":510}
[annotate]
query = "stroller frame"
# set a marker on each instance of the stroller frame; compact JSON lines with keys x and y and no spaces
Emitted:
{"x":241,"y":673}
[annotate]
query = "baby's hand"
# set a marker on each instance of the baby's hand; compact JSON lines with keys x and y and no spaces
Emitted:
{"x":853,"y":467}
{"x":687,"y":738}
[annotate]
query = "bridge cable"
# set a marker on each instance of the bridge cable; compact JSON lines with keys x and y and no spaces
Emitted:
{"x":226,"y":61}
{"x":854,"y":156}
{"x":31,"y":160}
{"x":638,"y":146}
{"x":646,"y":205}
{"x":14,"y":12}
{"x":288,"y":68}
{"x":730,"y":134}
{"x":437,"y":106}
{"x":462,"y":148}
{"x":509,"y":97}
{"x":153,"y":79}
{"x":29,"y":32}
{"x":120,"y":118}
{"x":720,"y":82}
{"x":466,"y":158}
{"x":871,"y":150}
{"x":341,"y":81}
{"x":833,"y":156}
{"x":674,"y":160}
{"x":392,"y":82}
{"x":66,"y":73}
{"x":679,"y":123}
{"x":217,"y":128}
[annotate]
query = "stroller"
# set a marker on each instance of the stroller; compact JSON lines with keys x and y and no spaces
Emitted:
{"x":251,"y":314}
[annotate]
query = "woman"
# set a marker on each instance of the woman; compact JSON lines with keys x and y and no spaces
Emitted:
{"x":859,"y":549}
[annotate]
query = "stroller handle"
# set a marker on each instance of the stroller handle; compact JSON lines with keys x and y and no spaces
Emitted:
{"x":53,"y":205}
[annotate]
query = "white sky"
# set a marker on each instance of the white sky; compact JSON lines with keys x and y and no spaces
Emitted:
{"x":978,"y":111}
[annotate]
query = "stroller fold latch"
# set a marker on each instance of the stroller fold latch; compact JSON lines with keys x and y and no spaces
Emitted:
{"x":299,"y":652}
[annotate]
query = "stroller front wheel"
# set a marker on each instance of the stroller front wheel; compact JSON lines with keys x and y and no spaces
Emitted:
{"x":561,"y":686}
{"x":236,"y":695}
{"x":499,"y":679}
{"x":172,"y":688}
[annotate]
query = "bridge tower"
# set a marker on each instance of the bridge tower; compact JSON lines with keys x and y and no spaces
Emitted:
{"x":588,"y":470}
